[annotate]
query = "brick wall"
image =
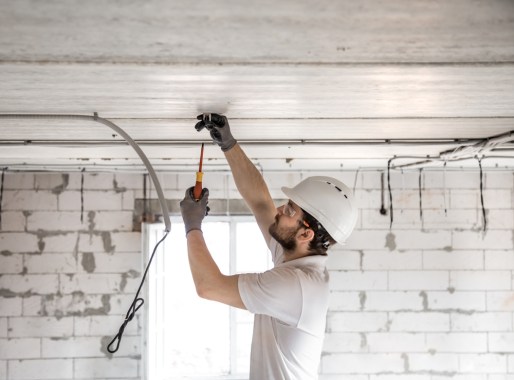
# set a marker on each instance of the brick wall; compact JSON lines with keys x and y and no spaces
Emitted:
{"x":429,"y":299}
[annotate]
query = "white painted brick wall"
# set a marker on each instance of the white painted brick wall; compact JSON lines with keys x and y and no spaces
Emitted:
{"x":428,"y":299}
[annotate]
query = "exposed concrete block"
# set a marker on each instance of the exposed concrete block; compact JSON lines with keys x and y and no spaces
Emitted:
{"x":418,"y":280}
{"x":498,"y":180}
{"x":10,"y":307}
{"x":483,"y":363}
{"x":115,"y":263}
{"x":457,"y":342}
{"x":102,"y":200}
{"x":20,"y":327}
{"x":69,"y":201}
{"x":20,"y":348}
{"x":87,"y":347}
{"x":482,"y":322}
{"x":419,"y":322}
{"x":76,"y":304}
{"x":501,"y":342}
{"x":344,"y":260}
{"x":51,"y":263}
{"x":11,"y":263}
{"x":451,"y":260}
{"x":371,"y":179}
{"x":501,"y":260}
{"x":55,"y":182}
{"x":124,"y":368}
{"x":344,"y":301}
{"x":367,"y":239}
{"x":358,"y":280}
{"x":12,"y":221}
{"x":16,"y":242}
{"x":500,"y":219}
{"x":29,"y":200}
{"x":497,"y":198}
{"x":128,"y":199}
{"x":28,"y":284}
{"x":93,"y":242}
{"x":104,"y":325}
{"x":42,"y":369}
{"x":90,"y":283}
{"x":18,"y":181}
{"x":32,"y":306}
{"x":356,"y":322}
{"x":387,"y":260}
{"x":3,"y":327}
{"x":127,"y":181}
{"x":54,"y":221}
{"x":464,"y":199}
{"x":362,"y":363}
{"x":500,"y":301}
{"x":52,"y":241}
{"x":467,"y":302}
{"x":491,"y":239}
{"x":395,"y":342}
{"x":126,"y":241}
{"x":98,"y":181}
{"x":404,"y":239}
{"x":392,"y":301}
{"x":492,"y":280}
{"x":446,"y":363}
{"x":3,"y":369}
{"x":403,"y":219}
{"x":464,"y":219}
{"x":336,"y":342}
{"x":113,"y":220}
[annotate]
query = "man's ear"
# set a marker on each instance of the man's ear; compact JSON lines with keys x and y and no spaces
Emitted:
{"x":305,"y":235}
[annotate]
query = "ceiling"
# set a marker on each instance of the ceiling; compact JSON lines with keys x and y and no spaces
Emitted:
{"x":306,"y":85}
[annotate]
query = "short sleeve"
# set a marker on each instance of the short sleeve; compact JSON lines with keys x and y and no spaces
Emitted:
{"x":276,"y":292}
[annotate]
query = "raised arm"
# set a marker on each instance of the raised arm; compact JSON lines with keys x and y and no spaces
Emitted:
{"x":248,"y":179}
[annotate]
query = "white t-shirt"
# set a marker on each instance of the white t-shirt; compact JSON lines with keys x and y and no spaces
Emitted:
{"x":290,"y":304}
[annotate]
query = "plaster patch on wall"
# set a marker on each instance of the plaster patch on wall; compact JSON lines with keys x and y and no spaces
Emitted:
{"x":424,"y":297}
{"x":88,"y":262}
{"x":130,"y":274}
{"x":107,"y":242}
{"x":91,"y":219}
{"x":362,"y":298}
{"x":405,"y":358}
{"x":364,"y":340}
{"x":104,"y":342}
{"x":116,"y":188}
{"x":390,"y":241}
{"x":65,"y":181}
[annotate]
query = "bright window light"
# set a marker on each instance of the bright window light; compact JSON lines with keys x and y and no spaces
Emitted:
{"x":188,"y":337}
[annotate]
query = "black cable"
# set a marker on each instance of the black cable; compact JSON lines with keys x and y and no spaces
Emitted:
{"x":82,"y":196}
{"x":135,"y":305}
{"x":2,"y":194}
{"x":420,"y":197}
{"x":482,"y":191}
{"x":389,"y":189}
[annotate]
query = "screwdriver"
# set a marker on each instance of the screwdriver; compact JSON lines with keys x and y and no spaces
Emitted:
{"x":197,"y":191}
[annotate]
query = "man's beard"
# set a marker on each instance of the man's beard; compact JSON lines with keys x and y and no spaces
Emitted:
{"x":286,"y":237}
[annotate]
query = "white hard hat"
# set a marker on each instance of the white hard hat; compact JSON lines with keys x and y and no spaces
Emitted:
{"x":329,"y":201}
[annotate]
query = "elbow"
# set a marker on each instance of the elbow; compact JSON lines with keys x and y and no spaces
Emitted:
{"x":204,"y":291}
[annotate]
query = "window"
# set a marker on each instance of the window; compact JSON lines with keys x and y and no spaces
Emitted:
{"x":189,"y":337}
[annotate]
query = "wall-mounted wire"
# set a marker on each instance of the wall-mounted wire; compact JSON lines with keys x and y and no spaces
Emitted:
{"x":484,"y":217}
{"x":2,"y":194}
{"x":420,"y":185}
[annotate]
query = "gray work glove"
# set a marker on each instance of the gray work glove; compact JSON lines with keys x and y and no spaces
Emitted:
{"x":193,"y":211}
{"x":219,"y":130}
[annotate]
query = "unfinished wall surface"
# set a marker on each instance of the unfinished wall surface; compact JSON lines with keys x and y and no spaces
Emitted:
{"x":431,"y":298}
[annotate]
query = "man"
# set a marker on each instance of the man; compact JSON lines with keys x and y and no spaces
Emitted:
{"x":290,"y":301}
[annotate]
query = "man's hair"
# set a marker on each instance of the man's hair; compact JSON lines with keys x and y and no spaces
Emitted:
{"x":321,"y":240}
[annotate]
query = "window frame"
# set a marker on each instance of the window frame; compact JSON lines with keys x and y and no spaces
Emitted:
{"x":150,"y":235}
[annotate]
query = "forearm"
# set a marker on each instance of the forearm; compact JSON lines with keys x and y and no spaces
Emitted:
{"x":204,"y":269}
{"x":248,"y":179}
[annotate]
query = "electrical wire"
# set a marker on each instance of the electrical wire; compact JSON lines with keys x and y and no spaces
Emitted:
{"x":482,"y":192}
{"x":136,"y":304}
{"x":123,"y":134}
{"x":2,"y":194}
